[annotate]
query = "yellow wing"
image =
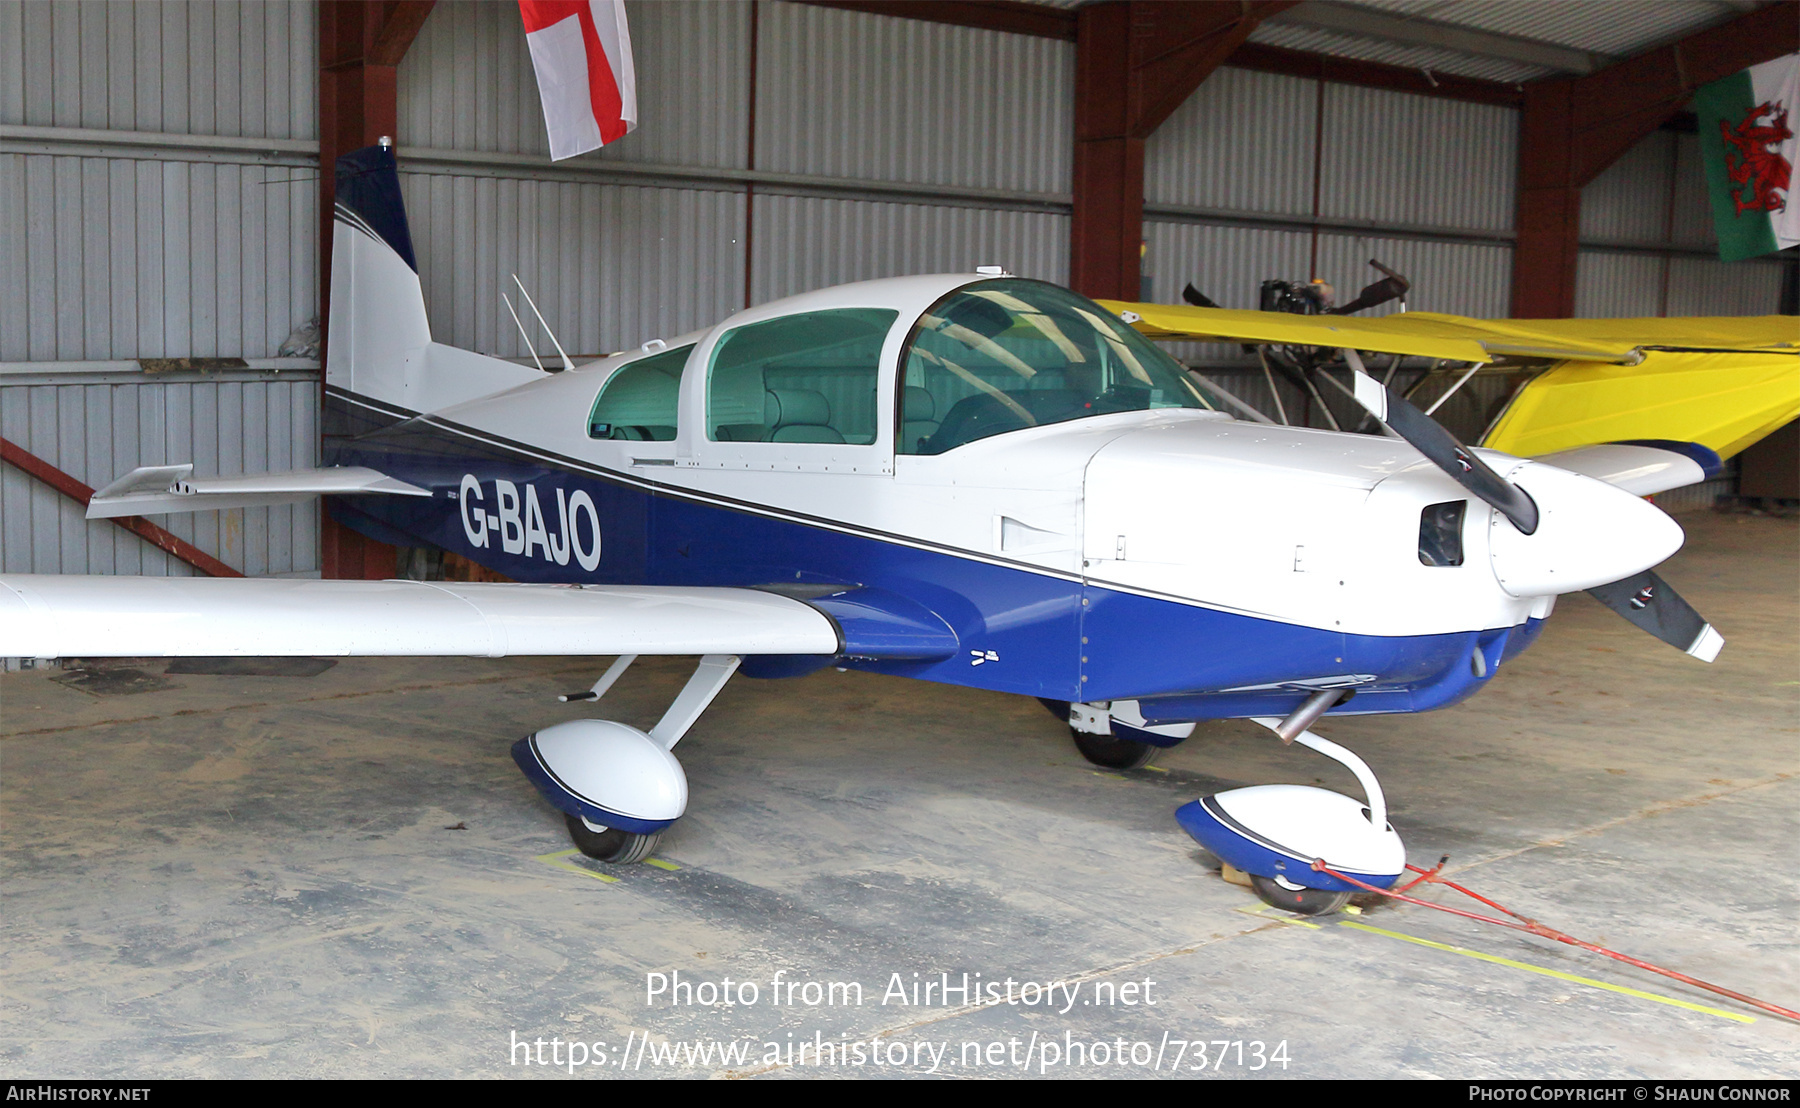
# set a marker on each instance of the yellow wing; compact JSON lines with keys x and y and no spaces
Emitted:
{"x":1723,"y":382}
{"x":1458,"y":338}
{"x":1725,"y":402}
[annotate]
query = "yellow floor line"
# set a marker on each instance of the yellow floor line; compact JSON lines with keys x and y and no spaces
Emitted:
{"x":1528,"y":967}
{"x":555,"y":861}
{"x":1279,"y":917}
{"x":660,"y":864}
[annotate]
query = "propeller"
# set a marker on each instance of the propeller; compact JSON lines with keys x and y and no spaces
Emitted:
{"x":1391,"y":287}
{"x":1648,"y":602}
{"x":1644,"y":599}
{"x":1197,"y":298}
{"x":1429,"y":438}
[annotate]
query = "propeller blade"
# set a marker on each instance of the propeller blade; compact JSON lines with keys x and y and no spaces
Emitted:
{"x":1372,"y":296}
{"x":1647,"y":601}
{"x":1428,"y":436}
{"x":1197,"y":298}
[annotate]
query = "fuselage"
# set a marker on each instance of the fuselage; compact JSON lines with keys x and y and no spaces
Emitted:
{"x":1202,"y":565}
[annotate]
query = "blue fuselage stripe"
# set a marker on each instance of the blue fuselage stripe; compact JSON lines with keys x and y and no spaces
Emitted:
{"x":1019,"y":630}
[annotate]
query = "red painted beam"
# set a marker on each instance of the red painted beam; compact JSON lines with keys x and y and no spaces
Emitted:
{"x":16,"y":455}
{"x":1622,"y":103}
{"x":361,"y":43}
{"x":1573,"y":128}
{"x":1136,"y":61}
{"x":1393,"y":78}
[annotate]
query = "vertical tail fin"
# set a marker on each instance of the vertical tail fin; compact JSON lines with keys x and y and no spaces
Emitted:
{"x":378,"y":327}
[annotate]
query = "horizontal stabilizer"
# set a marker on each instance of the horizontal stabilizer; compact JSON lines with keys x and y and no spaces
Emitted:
{"x":164,"y":617}
{"x":153,"y":490}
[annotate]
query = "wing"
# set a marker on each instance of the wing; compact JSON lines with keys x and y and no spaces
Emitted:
{"x":1723,"y":401}
{"x":1460,"y":339}
{"x":70,"y":616}
{"x":1641,"y":468}
{"x":1723,"y":383}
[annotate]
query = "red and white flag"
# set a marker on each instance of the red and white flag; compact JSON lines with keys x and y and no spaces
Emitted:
{"x":581,"y":50}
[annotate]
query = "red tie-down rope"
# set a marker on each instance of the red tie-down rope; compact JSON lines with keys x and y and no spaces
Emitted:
{"x":1533,"y":927}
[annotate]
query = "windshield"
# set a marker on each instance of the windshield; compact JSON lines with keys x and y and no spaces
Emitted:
{"x":1004,"y":355}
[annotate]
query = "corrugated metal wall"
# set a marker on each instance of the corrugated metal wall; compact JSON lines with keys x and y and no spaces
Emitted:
{"x":197,"y":68}
{"x":1230,"y":194}
{"x":96,"y":426}
{"x":827,"y":242}
{"x":883,"y":147}
{"x":842,"y":94}
{"x":1648,"y":241}
{"x":466,"y":84}
{"x":153,"y":258}
{"x":1230,"y":190}
{"x":609,"y":265}
{"x":156,"y":200}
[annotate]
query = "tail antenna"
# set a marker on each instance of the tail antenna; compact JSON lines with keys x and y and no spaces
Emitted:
{"x":522,"y":335}
{"x":567,"y":364}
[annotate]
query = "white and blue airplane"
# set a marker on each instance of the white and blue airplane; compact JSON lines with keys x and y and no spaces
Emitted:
{"x":970,"y":478}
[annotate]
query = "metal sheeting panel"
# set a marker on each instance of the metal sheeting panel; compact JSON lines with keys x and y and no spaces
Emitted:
{"x":96,"y":432}
{"x":109,"y":258}
{"x":1242,"y":142}
{"x":846,"y":94}
{"x":610,"y":266}
{"x":1395,"y":157}
{"x":1703,"y":286}
{"x":238,"y":67}
{"x":1459,"y":278}
{"x":1229,"y":265}
{"x":1655,"y":194}
{"x":1618,"y":27}
{"x":1617,"y":286}
{"x":1693,"y":224}
{"x":1625,"y":286}
{"x":467,"y":84}
{"x":1629,"y":201}
{"x":814,"y":243}
{"x":1431,"y":58}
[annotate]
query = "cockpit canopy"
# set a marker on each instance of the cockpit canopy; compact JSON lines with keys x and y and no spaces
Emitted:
{"x":1004,"y":355}
{"x":986,"y":358}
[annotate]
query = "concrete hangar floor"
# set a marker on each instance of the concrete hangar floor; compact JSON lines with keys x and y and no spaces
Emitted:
{"x":344,"y":875}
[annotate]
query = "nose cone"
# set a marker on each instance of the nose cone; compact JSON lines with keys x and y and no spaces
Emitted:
{"x":1589,"y":533}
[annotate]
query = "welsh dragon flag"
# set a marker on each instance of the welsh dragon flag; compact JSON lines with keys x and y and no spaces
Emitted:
{"x":1748,"y":147}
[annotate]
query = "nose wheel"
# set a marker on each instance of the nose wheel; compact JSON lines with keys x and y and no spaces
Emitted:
{"x":1278,"y":892}
{"x":610,"y":844}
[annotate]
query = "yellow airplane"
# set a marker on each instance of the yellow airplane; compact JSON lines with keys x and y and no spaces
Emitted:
{"x":1723,"y":382}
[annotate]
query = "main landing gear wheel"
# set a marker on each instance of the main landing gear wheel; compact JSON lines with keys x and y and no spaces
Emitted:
{"x":1279,"y":893}
{"x":610,"y":844}
{"x":1104,"y":750}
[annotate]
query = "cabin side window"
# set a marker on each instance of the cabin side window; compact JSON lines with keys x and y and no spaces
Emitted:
{"x":638,"y":403}
{"x":808,"y":378}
